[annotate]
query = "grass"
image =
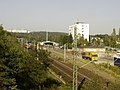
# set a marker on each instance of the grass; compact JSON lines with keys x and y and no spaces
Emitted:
{"x":102,"y":70}
{"x":113,"y":70}
{"x":52,"y":83}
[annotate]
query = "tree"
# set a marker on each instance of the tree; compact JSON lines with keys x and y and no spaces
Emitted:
{"x":82,"y":42}
{"x":6,"y":59}
{"x":114,"y":32}
{"x":70,"y":41}
{"x":113,"y":39}
{"x":63,"y":39}
{"x":119,"y":32}
{"x":106,"y":40}
{"x":18,"y":68}
{"x":1,"y":27}
{"x":113,"y":35}
{"x":119,"y":35}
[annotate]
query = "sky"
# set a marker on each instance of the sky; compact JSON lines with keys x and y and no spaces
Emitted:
{"x":57,"y":15}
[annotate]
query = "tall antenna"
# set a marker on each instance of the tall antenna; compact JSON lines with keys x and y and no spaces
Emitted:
{"x":75,"y":83}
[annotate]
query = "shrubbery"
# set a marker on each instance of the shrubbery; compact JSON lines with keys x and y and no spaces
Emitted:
{"x":114,"y":69}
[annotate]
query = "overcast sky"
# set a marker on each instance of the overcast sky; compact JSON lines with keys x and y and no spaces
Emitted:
{"x":58,"y":15}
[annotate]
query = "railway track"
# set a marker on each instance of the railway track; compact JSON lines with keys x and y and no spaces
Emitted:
{"x":64,"y":70}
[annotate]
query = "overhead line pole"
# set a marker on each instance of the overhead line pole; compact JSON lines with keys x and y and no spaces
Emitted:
{"x":75,"y":82}
{"x":64,"y":52}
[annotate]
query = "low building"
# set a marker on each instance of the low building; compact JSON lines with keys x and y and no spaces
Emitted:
{"x":48,"y":43}
{"x":18,"y":31}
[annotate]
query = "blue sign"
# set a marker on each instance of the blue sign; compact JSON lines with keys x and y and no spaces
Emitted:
{"x":117,"y":61}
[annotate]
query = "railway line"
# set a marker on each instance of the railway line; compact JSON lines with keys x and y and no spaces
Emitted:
{"x":64,"y":70}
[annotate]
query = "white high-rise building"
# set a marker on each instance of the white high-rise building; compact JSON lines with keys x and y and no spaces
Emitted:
{"x":82,"y":30}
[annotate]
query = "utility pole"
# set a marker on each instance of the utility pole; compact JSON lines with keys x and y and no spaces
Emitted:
{"x":75,"y":82}
{"x":37,"y":50}
{"x":64,"y":52}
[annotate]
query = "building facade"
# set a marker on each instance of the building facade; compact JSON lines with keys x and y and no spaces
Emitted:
{"x":81,"y":28}
{"x":18,"y":31}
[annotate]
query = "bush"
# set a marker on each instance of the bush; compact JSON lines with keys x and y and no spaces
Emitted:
{"x":114,"y":69}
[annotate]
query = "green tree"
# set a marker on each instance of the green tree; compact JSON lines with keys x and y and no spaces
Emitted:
{"x":34,"y":71}
{"x":1,"y":27}
{"x":82,"y":42}
{"x":119,"y":32}
{"x":70,"y":41}
{"x":113,"y":35}
{"x":114,"y":32}
{"x":106,"y":40}
{"x":119,"y":35}
{"x":63,"y":39}
{"x":7,"y":56}
{"x":113,"y":39}
{"x":18,"y":68}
